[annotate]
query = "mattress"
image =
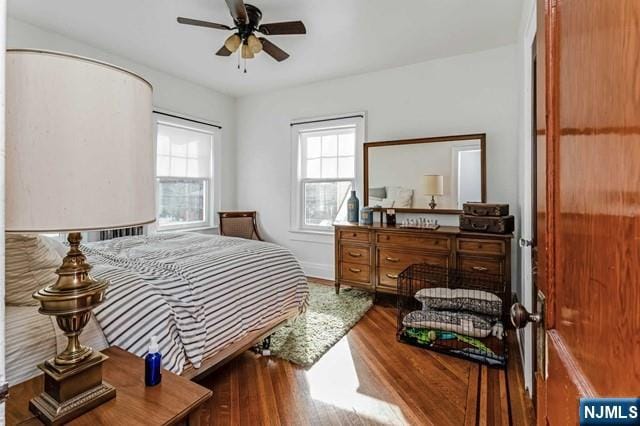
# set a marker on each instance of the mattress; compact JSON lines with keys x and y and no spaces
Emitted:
{"x":197,"y":293}
{"x":31,"y":338}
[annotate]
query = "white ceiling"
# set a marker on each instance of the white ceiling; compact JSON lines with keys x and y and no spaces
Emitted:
{"x":344,"y":37}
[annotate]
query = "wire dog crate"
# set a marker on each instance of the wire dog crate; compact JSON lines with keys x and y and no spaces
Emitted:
{"x":457,"y":312}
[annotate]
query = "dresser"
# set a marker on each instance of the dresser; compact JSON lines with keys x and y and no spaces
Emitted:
{"x":372,"y":257}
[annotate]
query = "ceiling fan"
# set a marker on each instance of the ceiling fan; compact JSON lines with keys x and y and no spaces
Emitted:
{"x":246,"y":19}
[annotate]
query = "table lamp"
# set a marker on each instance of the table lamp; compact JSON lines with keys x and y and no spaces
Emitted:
{"x":433,"y":185}
{"x":79,"y":156}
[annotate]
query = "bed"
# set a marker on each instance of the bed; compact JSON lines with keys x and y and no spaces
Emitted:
{"x":206,"y":297}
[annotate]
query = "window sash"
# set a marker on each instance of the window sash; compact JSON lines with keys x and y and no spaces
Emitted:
{"x":303,"y":137}
{"x":206,"y":203}
{"x":301,"y":189}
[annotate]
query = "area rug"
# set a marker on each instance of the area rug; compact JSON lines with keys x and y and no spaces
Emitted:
{"x":327,"y":319}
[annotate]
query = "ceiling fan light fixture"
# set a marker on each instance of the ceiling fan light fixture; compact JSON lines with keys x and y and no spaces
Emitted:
{"x":233,"y":42}
{"x":254,"y":44}
{"x":246,"y":52}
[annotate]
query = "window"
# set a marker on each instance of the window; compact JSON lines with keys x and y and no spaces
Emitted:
{"x":184,"y":174}
{"x":327,"y":170}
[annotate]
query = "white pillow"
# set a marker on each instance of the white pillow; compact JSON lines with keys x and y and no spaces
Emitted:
{"x":30,"y":265}
{"x":402,"y":197}
{"x":374,"y":202}
{"x":387,"y":203}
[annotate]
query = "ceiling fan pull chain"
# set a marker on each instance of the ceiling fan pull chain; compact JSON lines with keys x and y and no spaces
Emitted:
{"x":239,"y":58}
{"x":245,"y":65}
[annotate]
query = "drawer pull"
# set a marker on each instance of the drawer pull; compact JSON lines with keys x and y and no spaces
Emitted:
{"x":355,"y":254}
{"x":393,"y":259}
{"x":393,"y":276}
{"x":355,"y":270}
{"x":354,"y":235}
{"x":479,"y":226}
{"x":480,"y":268}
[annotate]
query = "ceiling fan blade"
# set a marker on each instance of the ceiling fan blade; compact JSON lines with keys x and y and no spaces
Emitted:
{"x":238,"y":11}
{"x":274,"y":51}
{"x":197,"y":23}
{"x":281,"y":28}
{"x":223,"y":52}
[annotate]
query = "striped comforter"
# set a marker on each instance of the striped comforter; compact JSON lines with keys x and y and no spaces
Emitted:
{"x":197,"y":293}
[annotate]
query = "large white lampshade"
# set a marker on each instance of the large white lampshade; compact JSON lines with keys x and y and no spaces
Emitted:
{"x":79,"y":144}
{"x":433,"y":185}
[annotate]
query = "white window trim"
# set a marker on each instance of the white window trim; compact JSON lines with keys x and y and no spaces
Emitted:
{"x":213,"y":183}
{"x":320,"y":234}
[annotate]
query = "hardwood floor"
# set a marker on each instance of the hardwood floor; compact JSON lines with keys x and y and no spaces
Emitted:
{"x":367,"y":378}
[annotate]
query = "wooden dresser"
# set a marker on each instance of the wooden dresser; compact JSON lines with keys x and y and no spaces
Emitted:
{"x":371,"y":257}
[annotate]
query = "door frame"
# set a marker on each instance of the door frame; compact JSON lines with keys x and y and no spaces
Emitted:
{"x":526,"y":339}
{"x":3,"y":32}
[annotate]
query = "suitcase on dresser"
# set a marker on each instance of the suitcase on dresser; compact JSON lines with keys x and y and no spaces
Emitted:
{"x":485,"y":209}
{"x":489,"y":224}
{"x":484,"y":217}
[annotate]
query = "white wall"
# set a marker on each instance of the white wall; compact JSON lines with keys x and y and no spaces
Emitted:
{"x":473,"y":93}
{"x":170,"y":93}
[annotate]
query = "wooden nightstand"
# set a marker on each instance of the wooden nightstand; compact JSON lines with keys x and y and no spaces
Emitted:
{"x":174,"y":401}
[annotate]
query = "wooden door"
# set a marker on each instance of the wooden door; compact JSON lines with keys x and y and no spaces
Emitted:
{"x":588,"y":200}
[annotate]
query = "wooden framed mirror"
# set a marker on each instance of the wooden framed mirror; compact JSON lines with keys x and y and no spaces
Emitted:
{"x":425,"y":175}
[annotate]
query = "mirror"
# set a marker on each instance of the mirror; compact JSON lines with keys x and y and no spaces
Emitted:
{"x":428,"y":175}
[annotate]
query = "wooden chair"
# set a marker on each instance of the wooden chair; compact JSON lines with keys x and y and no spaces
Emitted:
{"x":239,"y":224}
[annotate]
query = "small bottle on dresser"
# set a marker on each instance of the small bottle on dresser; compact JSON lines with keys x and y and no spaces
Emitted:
{"x":153,"y":364}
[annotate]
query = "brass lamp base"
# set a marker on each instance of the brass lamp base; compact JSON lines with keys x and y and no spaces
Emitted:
{"x":433,"y":204}
{"x":71,"y":391}
{"x":73,"y":378}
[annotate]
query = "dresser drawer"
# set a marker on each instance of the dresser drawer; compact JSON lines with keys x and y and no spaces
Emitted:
{"x":398,"y":259}
{"x":425,"y":242}
{"x":481,"y":265}
{"x":355,"y":254}
{"x":469,"y":245}
{"x":354,"y":272}
{"x":388,"y":277}
{"x":354,"y":235}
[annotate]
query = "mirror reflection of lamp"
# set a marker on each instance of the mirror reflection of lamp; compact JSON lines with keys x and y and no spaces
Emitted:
{"x":433,"y":185}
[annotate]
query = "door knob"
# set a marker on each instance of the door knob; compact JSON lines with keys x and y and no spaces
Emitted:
{"x":523,"y":242}
{"x":520,"y":316}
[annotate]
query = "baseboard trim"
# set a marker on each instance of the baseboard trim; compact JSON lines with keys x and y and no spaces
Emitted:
{"x":322,"y":281}
{"x":318,"y":270}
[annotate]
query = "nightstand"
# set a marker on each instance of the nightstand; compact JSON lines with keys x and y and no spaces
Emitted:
{"x":174,"y":401}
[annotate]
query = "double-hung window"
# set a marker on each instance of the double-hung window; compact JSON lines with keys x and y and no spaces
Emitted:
{"x":184,"y":174}
{"x":326,"y":172}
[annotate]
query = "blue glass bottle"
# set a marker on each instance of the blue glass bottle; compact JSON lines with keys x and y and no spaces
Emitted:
{"x":353,"y":208}
{"x":153,"y":364}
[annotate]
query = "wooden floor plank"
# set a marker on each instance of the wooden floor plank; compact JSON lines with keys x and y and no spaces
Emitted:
{"x":483,"y":412}
{"x":473,"y":391}
{"x":520,"y":405}
{"x":368,"y":378}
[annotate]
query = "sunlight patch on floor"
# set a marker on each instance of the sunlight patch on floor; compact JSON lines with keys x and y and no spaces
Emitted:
{"x":334,"y":380}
